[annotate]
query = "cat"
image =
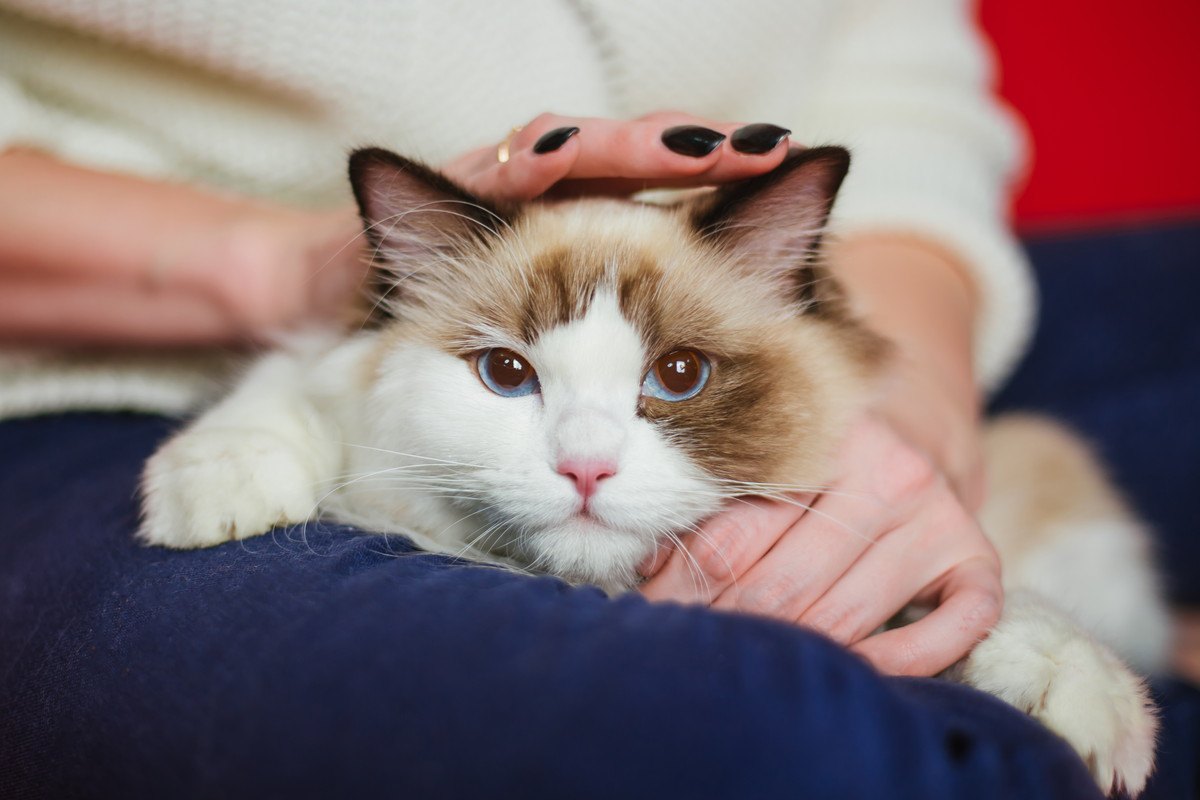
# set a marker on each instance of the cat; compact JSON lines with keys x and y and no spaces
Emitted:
{"x":564,"y":386}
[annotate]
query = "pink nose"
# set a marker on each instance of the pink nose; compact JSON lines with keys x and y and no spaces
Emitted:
{"x":586,"y":473}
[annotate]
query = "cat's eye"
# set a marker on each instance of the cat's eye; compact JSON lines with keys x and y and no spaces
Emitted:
{"x":678,"y":375}
{"x":507,"y":373}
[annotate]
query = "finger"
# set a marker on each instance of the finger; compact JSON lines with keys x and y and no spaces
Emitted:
{"x":653,"y":563}
{"x":888,"y":576}
{"x":577,"y":184}
{"x":873,"y":496}
{"x":748,"y":150}
{"x":970,"y":602}
{"x":816,"y":552}
{"x":619,"y":156}
{"x":527,"y":174}
{"x":688,"y":151}
{"x":637,"y":150}
{"x":723,"y":548}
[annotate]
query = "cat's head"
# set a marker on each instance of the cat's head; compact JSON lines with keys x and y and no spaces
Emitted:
{"x":577,"y":381}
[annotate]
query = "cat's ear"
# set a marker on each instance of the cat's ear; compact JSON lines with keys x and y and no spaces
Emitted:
{"x":773,"y":223}
{"x":413,"y":217}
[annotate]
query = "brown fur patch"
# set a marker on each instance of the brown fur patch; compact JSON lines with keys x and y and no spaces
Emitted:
{"x":1048,"y":480}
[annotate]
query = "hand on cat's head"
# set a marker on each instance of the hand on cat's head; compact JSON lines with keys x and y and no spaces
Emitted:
{"x":293,"y":267}
{"x":567,"y":156}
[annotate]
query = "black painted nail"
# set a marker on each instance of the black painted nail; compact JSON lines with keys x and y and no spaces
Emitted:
{"x":553,"y":140}
{"x":758,"y":139}
{"x":692,"y":140}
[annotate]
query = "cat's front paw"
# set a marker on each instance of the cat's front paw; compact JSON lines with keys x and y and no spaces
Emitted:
{"x":213,"y":485}
{"x":1041,"y":662}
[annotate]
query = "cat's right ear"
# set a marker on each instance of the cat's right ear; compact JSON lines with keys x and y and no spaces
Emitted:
{"x":773,"y":223}
{"x":413,"y":217}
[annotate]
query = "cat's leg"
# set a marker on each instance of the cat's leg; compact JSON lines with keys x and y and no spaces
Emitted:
{"x":1063,"y":531}
{"x":256,"y":460}
{"x":1082,"y":594}
{"x":1042,"y":662}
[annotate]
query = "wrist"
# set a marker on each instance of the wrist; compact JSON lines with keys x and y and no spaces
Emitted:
{"x":269,"y":267}
{"x":920,"y":299}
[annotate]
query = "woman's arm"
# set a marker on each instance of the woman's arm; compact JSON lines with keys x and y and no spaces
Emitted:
{"x":98,"y":258}
{"x":923,"y":301}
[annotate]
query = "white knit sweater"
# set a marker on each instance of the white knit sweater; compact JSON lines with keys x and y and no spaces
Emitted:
{"x":267,"y":96}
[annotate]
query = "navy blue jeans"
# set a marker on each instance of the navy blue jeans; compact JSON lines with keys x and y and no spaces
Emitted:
{"x":348,"y":664}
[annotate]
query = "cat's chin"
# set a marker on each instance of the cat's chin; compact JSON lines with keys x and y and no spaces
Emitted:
{"x":585,"y":550}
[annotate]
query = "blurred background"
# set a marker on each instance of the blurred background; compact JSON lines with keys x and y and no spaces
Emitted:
{"x":1110,"y":214}
{"x":1110,"y":92}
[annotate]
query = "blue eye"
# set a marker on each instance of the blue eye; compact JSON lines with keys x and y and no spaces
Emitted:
{"x":679,"y":375}
{"x":506,"y":373}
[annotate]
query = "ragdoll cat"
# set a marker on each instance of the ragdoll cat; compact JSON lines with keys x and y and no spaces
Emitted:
{"x":565,"y":386}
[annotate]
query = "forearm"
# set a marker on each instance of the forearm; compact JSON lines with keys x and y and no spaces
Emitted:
{"x":72,"y":222}
{"x":925,"y":303}
{"x":100,"y":258}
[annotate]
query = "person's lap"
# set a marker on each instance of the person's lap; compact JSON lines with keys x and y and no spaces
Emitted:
{"x":332,"y":662}
{"x":345,"y":663}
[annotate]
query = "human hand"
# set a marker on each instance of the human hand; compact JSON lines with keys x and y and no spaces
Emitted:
{"x":889,"y":531}
{"x":605,"y":156}
{"x":266,"y":268}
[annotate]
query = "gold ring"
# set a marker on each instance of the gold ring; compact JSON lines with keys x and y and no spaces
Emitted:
{"x":502,"y":148}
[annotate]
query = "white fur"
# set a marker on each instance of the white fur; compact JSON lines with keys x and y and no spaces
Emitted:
{"x":255,"y":460}
{"x":1099,"y":573}
{"x":1042,"y":662}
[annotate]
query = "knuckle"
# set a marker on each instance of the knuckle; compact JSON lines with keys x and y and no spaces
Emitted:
{"x":989,"y":556}
{"x":947,"y":513}
{"x":729,"y":532}
{"x":909,"y":473}
{"x":772,"y":596}
{"x":909,"y":653}
{"x":664,"y":114}
{"x":981,"y":609}
{"x":545,"y":120}
{"x":711,"y":557}
{"x":836,"y":622}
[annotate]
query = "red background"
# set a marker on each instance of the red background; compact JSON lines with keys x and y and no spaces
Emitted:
{"x":1111,"y":93}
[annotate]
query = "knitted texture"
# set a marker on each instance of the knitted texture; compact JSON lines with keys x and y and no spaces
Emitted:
{"x":266,"y":98}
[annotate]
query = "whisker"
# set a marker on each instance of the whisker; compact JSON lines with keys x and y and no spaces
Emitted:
{"x":412,"y":455}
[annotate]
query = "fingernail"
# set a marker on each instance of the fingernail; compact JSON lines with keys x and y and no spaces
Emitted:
{"x":692,"y":140}
{"x":553,"y":140}
{"x":758,"y":139}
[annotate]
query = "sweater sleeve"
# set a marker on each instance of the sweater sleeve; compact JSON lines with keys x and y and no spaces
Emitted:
{"x":17,"y":115}
{"x":908,"y":89}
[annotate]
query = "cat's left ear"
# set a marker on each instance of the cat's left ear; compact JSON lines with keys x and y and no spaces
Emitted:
{"x":773,"y":223}
{"x":413,"y":217}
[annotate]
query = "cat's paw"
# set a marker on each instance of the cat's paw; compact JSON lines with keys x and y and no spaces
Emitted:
{"x":1041,"y":662}
{"x":213,"y":485}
